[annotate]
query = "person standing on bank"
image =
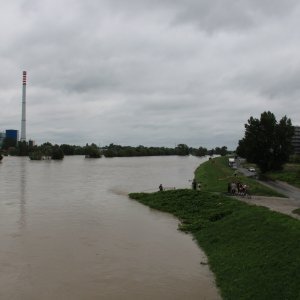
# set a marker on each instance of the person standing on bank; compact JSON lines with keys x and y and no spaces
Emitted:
{"x":161,"y":187}
{"x":194,"y":184}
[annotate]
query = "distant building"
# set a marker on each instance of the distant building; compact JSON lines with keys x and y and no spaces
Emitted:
{"x":296,"y":140}
{"x":12,"y":133}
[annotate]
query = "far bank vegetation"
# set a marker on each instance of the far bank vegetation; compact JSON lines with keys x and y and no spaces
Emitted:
{"x":48,"y":150}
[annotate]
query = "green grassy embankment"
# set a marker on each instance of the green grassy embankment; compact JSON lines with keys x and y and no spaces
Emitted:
{"x":289,"y":174}
{"x":215,"y":174}
{"x":253,"y":252}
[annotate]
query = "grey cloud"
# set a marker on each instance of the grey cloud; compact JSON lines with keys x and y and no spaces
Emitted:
{"x":284,"y":85}
{"x":273,"y":83}
{"x":232,"y":15}
{"x":213,"y":15}
{"x":148,"y":72}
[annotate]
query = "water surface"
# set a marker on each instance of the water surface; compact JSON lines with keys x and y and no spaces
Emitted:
{"x":69,"y":231}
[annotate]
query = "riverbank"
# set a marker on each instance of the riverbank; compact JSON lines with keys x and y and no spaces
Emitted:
{"x":253,"y":252}
{"x":215,"y":174}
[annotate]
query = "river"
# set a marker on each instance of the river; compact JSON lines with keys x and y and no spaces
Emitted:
{"x":69,"y":231}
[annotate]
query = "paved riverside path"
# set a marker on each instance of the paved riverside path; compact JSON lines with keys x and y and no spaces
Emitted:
{"x":283,"y":205}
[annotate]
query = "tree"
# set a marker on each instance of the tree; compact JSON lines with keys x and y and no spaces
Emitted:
{"x":221,"y":151}
{"x":211,"y":152}
{"x":92,"y":151}
{"x":36,"y":154}
{"x":9,"y":142}
{"x":23,"y":148}
{"x":267,"y":142}
{"x":67,"y":149}
{"x":201,"y":151}
{"x":57,"y":153}
{"x":182,"y":149}
{"x":47,"y":149}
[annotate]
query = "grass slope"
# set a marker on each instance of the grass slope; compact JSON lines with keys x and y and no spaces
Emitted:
{"x":215,"y":174}
{"x":289,"y":174}
{"x":253,"y":252}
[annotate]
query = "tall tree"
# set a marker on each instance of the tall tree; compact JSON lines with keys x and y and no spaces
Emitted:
{"x":182,"y":149}
{"x":267,"y":142}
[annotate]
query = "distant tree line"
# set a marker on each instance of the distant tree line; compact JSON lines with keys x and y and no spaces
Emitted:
{"x":48,"y":150}
{"x":201,"y":151}
{"x":58,"y":152}
{"x":181,"y":149}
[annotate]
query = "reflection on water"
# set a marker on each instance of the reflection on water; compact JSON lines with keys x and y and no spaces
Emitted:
{"x":23,"y":177}
{"x":69,"y":231}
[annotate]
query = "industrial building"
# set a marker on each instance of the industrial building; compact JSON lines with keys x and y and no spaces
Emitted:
{"x":12,"y":134}
{"x":296,"y":140}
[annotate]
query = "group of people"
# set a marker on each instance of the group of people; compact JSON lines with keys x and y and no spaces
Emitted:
{"x":238,"y":188}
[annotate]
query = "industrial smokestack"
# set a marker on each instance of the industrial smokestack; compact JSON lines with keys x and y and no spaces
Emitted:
{"x":23,"y":123}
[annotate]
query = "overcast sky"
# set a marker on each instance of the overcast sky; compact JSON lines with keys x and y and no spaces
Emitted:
{"x":150,"y":72}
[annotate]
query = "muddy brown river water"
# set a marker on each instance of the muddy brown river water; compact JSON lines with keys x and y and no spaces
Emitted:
{"x":69,"y":231}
